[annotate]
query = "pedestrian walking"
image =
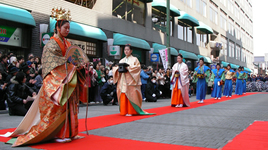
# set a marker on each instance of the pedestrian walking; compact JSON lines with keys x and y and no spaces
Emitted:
{"x":180,"y":84}
{"x":228,"y":88}
{"x":218,"y":78}
{"x":201,"y":77}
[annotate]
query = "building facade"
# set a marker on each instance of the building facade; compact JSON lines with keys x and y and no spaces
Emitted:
{"x":218,"y":30}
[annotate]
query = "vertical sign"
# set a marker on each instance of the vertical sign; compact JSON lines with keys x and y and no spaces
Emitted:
{"x":164,"y":58}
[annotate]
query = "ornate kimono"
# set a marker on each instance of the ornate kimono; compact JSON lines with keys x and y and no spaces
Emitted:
{"x":217,"y":76}
{"x":201,"y":83}
{"x":228,"y":88}
{"x":180,"y":85}
{"x":129,"y":87}
{"x":239,"y":82}
{"x":54,"y":111}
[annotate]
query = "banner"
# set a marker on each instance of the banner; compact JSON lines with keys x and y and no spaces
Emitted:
{"x":164,"y":58}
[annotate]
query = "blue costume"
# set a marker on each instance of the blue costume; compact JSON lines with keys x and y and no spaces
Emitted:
{"x":217,"y":76}
{"x":201,"y":83}
{"x":239,"y":83}
{"x":228,"y":87}
{"x":245,"y":81}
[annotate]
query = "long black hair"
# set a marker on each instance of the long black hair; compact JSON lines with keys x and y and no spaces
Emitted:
{"x":59,"y":24}
{"x":20,"y":76}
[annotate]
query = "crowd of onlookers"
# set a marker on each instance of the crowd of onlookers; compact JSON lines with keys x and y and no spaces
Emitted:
{"x":257,"y":83}
{"x":20,"y":78}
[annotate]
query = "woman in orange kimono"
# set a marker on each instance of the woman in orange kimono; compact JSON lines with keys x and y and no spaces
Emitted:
{"x":129,"y":85}
{"x":56,"y":106}
{"x":180,"y":81}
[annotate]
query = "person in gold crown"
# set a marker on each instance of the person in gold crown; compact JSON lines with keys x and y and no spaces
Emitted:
{"x":56,"y":106}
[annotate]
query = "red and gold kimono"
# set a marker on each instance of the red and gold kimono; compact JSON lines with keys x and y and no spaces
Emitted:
{"x":129,"y":87}
{"x":54,"y":111}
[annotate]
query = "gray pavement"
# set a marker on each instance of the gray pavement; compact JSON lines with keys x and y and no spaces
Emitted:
{"x":210,"y":126}
{"x":207,"y":126}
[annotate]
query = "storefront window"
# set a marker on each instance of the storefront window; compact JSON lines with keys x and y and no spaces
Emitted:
{"x":131,"y":10}
{"x":201,"y":39}
{"x":159,"y":21}
{"x":85,"y":3}
{"x":91,"y":49}
{"x":184,"y":32}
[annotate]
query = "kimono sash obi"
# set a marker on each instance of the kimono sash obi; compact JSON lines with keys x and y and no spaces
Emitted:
{"x":200,"y":76}
{"x":201,"y":71}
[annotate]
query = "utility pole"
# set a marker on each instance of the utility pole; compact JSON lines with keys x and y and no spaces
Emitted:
{"x":168,"y":32}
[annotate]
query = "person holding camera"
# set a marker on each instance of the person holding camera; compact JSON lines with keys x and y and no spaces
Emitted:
{"x":108,"y":92}
{"x":152,"y":92}
{"x":180,"y":84}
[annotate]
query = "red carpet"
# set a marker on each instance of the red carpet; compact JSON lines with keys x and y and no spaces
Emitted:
{"x":107,"y":143}
{"x":255,"y":137}
{"x":109,"y":120}
{"x":99,"y":142}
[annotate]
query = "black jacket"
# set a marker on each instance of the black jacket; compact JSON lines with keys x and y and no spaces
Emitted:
{"x":107,"y":89}
{"x":3,"y":70}
{"x":17,"y":92}
{"x":152,"y":88}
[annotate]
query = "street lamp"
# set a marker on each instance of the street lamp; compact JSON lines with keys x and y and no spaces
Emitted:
{"x":154,"y":19}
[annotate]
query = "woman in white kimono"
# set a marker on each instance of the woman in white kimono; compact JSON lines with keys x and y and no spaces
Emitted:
{"x":180,"y":84}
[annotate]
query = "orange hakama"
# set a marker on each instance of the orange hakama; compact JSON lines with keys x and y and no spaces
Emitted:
{"x":176,"y":98}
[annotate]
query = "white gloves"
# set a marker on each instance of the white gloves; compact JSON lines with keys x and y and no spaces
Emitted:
{"x":108,"y":94}
{"x":112,"y":93}
{"x":153,"y":95}
{"x":160,"y":92}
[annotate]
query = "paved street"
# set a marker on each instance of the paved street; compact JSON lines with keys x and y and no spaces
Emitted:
{"x":210,"y":126}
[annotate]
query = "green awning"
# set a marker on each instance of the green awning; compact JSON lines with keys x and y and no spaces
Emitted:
{"x":233,"y":66}
{"x":203,"y":28}
{"x":82,"y":30}
{"x":16,"y":14}
{"x":188,"y":19}
{"x":206,"y":59}
{"x":158,"y":47}
{"x":247,"y":69}
{"x":162,"y":5}
{"x":224,"y":64}
{"x":188,"y":55}
{"x":120,"y":39}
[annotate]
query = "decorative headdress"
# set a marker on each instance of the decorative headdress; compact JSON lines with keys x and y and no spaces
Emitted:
{"x":60,"y":13}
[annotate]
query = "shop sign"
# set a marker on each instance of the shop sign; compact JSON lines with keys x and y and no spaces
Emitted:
{"x":10,"y":36}
{"x":154,"y":57}
{"x":46,"y":38}
{"x":114,"y":50}
{"x":81,"y":44}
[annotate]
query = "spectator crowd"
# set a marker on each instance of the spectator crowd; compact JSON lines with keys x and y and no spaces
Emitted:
{"x":20,"y":79}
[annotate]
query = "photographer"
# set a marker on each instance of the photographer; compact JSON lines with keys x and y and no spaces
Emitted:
{"x":108,"y":92}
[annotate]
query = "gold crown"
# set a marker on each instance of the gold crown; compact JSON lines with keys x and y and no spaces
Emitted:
{"x":60,"y":13}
